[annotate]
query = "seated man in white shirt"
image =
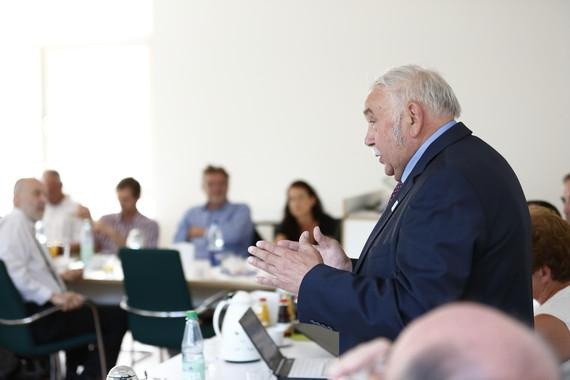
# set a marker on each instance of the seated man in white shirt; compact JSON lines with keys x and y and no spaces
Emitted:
{"x":62,"y":216}
{"x":34,"y":275}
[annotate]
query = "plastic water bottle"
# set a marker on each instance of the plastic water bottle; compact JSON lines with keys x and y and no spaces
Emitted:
{"x":193,"y":349}
{"x":215,"y":242}
{"x":135,"y":239}
{"x":87,"y":244}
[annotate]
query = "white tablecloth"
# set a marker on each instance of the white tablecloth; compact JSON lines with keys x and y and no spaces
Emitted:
{"x":218,"y":369}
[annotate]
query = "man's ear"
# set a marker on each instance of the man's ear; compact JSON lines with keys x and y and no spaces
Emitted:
{"x":545,"y":273}
{"x":415,"y":113}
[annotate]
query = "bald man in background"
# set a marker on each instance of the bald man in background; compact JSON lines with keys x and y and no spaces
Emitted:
{"x":457,"y":341}
{"x":32,"y":271}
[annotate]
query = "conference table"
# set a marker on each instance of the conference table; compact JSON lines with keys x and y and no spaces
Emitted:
{"x":102,"y":281}
{"x":218,"y":369}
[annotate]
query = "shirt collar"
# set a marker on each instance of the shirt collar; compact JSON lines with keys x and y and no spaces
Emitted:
{"x":135,"y":217}
{"x":420,"y":152}
{"x":224,"y":205}
{"x":20,"y":214}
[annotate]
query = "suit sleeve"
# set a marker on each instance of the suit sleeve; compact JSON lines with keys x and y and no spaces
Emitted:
{"x":422,"y":261}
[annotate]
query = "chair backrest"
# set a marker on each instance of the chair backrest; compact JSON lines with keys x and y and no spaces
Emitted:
{"x":154,"y":281}
{"x":17,"y":339}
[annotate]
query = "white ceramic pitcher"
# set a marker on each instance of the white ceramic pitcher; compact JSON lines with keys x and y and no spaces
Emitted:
{"x":235,"y":344}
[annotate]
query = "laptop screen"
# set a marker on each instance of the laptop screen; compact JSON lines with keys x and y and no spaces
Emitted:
{"x":261,"y":340}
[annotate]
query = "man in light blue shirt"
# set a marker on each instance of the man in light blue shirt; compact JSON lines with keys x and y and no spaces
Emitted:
{"x":457,"y":230}
{"x":234,"y":219}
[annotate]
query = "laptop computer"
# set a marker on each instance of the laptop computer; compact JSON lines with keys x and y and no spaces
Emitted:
{"x":327,"y":339}
{"x":282,"y":367}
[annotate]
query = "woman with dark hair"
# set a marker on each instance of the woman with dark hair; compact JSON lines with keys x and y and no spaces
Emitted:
{"x":304,"y":212}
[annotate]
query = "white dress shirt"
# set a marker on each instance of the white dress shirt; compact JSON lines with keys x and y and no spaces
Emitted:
{"x":28,"y":263}
{"x":558,"y":306}
{"x":60,"y":223}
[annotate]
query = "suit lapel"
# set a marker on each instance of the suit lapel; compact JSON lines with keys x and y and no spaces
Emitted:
{"x":379,"y":227}
{"x":457,"y":132}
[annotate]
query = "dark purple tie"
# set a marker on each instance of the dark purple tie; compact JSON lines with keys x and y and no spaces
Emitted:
{"x":395,"y":191}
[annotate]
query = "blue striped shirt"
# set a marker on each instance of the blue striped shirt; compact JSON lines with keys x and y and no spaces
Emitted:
{"x":234,"y":220}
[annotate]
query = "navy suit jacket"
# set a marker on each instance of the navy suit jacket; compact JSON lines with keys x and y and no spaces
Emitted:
{"x":459,"y":229}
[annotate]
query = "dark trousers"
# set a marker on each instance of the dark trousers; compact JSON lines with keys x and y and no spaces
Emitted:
{"x":63,"y":325}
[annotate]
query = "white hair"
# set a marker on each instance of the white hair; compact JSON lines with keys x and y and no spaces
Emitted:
{"x":414,"y":83}
{"x":397,"y":129}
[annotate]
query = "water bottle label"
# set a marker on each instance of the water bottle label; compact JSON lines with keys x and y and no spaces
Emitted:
{"x":193,"y":369}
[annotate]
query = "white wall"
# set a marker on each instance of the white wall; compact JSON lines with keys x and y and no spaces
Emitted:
{"x":273,"y":90}
{"x":75,"y":96}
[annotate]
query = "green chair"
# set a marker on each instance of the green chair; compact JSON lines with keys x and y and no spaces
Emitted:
{"x":157,"y":297}
{"x":16,"y":334}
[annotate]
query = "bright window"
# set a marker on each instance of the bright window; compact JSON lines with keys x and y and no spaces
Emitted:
{"x":96,"y":123}
{"x":75,"y":96}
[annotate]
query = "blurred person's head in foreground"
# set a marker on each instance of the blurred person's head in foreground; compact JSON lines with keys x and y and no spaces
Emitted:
{"x":461,"y":341}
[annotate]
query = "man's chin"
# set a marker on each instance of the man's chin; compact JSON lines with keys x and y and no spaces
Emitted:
{"x":389,"y":170}
{"x":216,"y":201}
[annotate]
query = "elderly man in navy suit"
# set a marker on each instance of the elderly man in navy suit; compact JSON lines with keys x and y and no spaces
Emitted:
{"x":456,"y":227}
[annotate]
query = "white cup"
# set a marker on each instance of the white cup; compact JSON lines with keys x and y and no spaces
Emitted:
{"x":276,"y":333}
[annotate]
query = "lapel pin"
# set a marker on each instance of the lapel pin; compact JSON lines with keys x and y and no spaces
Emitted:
{"x":394,"y":206}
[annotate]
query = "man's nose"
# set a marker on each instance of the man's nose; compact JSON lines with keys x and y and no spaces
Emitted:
{"x":369,"y":137}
